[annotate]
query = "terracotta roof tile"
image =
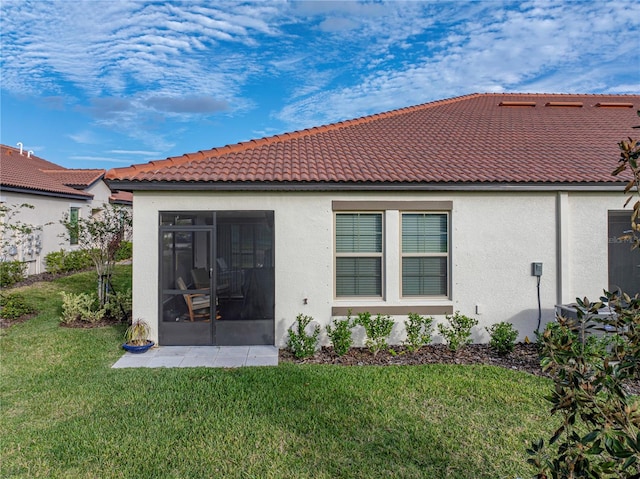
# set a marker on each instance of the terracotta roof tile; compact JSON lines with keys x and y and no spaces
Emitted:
{"x":475,"y":138}
{"x":25,"y":172}
{"x":121,"y":197}
{"x":77,"y":178}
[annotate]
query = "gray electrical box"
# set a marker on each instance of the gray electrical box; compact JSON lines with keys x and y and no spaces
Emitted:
{"x":536,"y":269}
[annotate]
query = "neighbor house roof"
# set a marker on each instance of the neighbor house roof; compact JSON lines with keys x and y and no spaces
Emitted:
{"x":32,"y":174}
{"x":76,"y":178}
{"x":478,"y":139}
{"x":121,"y":198}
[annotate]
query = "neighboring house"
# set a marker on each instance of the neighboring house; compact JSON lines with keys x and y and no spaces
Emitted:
{"x":432,"y":209}
{"x":53,"y":191}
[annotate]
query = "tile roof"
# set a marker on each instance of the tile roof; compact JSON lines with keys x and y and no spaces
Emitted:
{"x":477,"y":138}
{"x":76,"y":178}
{"x":31,"y":173}
{"x":121,"y":197}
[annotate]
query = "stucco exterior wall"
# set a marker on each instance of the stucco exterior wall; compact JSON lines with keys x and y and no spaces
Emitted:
{"x":494,"y":239}
{"x":46,"y":213}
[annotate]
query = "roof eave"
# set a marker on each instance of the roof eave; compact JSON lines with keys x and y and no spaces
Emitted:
{"x":55,"y":194}
{"x":127,"y":185}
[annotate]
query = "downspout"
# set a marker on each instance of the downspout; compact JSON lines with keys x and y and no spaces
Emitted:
{"x":562,"y":247}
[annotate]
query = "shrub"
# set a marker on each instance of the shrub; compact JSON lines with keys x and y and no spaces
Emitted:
{"x":599,"y":433}
{"x":419,"y":331}
{"x":302,"y":344}
{"x":67,"y":261}
{"x":458,"y":333}
{"x":503,"y":337}
{"x":80,"y":307}
{"x":12,"y":272}
{"x":120,"y":305}
{"x":377,"y":330}
{"x":340,"y":335}
{"x":14,"y":306}
{"x":124,"y":251}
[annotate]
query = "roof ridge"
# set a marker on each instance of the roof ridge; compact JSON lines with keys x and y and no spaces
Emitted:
{"x":256,"y":143}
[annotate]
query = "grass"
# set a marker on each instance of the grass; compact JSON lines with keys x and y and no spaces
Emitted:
{"x":66,"y":413}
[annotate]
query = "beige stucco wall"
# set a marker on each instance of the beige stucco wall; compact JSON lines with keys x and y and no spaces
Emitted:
{"x":494,"y":239}
{"x":46,"y":213}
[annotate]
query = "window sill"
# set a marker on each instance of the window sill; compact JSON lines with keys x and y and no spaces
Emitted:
{"x":433,"y":308}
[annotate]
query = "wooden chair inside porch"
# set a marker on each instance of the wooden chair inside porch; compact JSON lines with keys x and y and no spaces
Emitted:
{"x":198,"y":304}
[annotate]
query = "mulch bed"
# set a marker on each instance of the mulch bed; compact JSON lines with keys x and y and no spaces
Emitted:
{"x":44,"y":277}
{"x":524,"y":358}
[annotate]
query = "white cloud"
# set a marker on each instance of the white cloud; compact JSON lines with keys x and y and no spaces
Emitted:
{"x":544,"y":47}
{"x":134,"y":67}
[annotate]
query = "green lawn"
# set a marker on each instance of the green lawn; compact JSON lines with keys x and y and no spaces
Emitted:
{"x":66,"y":413}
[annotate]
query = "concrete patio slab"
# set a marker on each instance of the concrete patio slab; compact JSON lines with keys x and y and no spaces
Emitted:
{"x":200,"y":356}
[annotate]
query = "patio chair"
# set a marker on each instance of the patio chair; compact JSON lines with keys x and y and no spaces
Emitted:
{"x":195,"y":301}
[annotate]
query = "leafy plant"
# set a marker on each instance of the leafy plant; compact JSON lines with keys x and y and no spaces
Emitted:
{"x":14,"y":306}
{"x":458,"y":332}
{"x":125,"y":251}
{"x":599,"y":435}
{"x":340,"y":334}
{"x":302,"y":344}
{"x":419,"y":329}
{"x":629,"y":159}
{"x":80,"y":307}
{"x":503,"y":337}
{"x":137,"y":334}
{"x":119,"y":305}
{"x":377,"y":330}
{"x":67,"y":261}
{"x":12,"y":272}
{"x":100,"y":235}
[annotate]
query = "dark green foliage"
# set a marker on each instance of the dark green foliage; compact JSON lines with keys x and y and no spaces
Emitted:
{"x":458,"y":333}
{"x":599,"y":436}
{"x":419,"y":329}
{"x":120,"y":305}
{"x":67,"y":261}
{"x":503,"y":337}
{"x":377,"y":330}
{"x":12,"y":272}
{"x":629,"y":156}
{"x":14,"y":306}
{"x":302,"y":344}
{"x":124,"y":251}
{"x":340,"y":335}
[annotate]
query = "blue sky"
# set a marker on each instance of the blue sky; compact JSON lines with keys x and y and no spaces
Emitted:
{"x":104,"y":84}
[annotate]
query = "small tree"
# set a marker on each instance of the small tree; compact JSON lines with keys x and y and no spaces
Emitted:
{"x":100,"y":235}
{"x":629,"y":159}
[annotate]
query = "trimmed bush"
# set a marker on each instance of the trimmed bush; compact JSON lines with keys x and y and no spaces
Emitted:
{"x":419,"y":331}
{"x":377,"y":330}
{"x":11,"y":272}
{"x":503,"y":337}
{"x":80,"y":307}
{"x":458,"y":332}
{"x":14,"y":306}
{"x":125,"y":251}
{"x":302,"y":344}
{"x":340,"y":335}
{"x":67,"y":261}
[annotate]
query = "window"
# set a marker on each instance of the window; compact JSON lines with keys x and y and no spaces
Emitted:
{"x":74,"y":214}
{"x":425,"y":254}
{"x":358,"y":254}
{"x":624,"y":262}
